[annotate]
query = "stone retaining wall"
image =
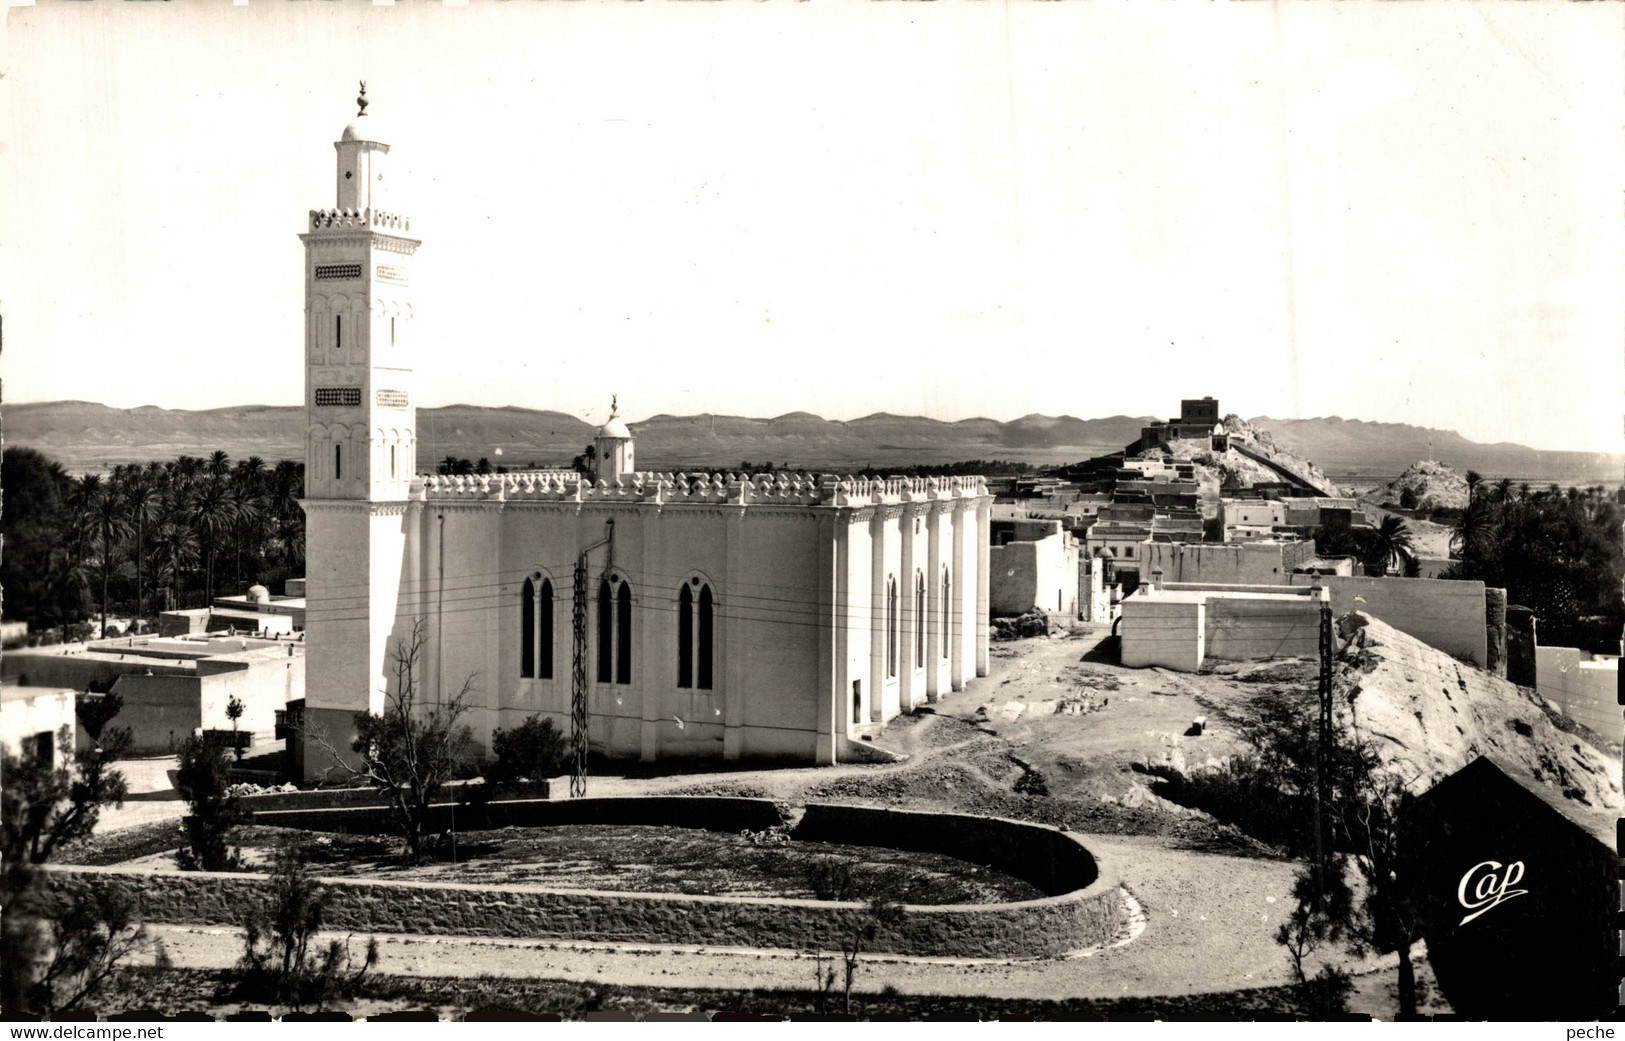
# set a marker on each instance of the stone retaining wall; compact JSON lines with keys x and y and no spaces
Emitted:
{"x":337,"y":798}
{"x":1087,"y":911}
{"x":711,"y":814}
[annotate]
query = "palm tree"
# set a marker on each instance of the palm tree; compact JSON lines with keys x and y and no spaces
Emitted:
{"x":287,"y":487}
{"x":248,"y":505}
{"x":212,"y":512}
{"x":173,"y":548}
{"x":82,"y":511}
{"x":141,"y":500}
{"x":108,"y":511}
{"x":219,"y":464}
{"x":1389,"y":542}
{"x":1503,"y":489}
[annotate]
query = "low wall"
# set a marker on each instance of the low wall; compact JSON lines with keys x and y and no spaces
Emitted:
{"x":1245,"y":630}
{"x":1087,"y":910}
{"x":1587,"y":691}
{"x":1024,"y":575}
{"x":1169,"y":633}
{"x":1445,"y":614}
{"x":372,"y":818}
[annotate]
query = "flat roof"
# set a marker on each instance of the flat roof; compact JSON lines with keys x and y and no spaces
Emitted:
{"x":12,"y":693}
{"x":1148,"y":594}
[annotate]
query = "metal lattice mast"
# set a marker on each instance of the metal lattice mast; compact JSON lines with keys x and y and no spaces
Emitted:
{"x":578,"y":663}
{"x":1324,"y":742}
{"x":578,"y":683}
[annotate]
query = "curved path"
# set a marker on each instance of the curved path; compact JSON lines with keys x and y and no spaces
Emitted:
{"x":1208,"y":921}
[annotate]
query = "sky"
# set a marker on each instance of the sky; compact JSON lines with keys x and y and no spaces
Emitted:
{"x":1407,"y":213}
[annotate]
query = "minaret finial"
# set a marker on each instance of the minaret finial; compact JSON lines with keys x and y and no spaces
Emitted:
{"x":614,"y":405}
{"x":361,"y":100}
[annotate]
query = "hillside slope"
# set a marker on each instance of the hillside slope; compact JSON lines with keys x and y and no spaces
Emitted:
{"x":1429,"y":715}
{"x":1353,"y":447}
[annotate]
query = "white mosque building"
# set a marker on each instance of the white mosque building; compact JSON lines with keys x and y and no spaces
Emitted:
{"x":730,"y":617}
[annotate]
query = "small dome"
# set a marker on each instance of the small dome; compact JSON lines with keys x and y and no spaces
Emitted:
{"x":259,"y":594}
{"x":614,"y":427}
{"x":365,"y":128}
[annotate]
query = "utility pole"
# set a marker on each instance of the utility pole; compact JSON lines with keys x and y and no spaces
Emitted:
{"x":578,"y":664}
{"x":1323,"y":752}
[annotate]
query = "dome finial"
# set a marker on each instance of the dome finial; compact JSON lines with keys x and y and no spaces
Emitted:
{"x":361,"y":100}
{"x":614,"y":405}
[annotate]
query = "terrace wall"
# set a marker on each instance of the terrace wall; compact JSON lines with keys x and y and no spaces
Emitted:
{"x":1086,"y":912}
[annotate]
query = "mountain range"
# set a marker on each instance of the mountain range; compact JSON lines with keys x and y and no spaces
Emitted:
{"x":86,"y":436}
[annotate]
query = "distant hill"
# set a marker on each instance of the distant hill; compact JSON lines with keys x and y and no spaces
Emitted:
{"x":1354,"y":448}
{"x":88,"y":436}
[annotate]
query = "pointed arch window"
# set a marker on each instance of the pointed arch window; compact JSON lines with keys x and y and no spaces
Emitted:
{"x":536,"y":628}
{"x":695,"y":630}
{"x":614,"y":630}
{"x":947,"y":615}
{"x":891,"y":625}
{"x":919,"y":619}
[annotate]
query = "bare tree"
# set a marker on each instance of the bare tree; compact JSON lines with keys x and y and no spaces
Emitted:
{"x":877,"y":915}
{"x":410,"y":750}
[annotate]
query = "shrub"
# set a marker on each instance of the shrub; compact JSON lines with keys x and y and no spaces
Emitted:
{"x":278,"y":963}
{"x":203,"y":777}
{"x":534,"y":750}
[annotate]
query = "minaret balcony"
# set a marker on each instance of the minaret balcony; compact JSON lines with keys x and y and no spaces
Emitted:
{"x":372,"y":219}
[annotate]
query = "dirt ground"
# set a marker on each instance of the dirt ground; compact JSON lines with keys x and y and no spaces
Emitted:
{"x":1054,"y":734}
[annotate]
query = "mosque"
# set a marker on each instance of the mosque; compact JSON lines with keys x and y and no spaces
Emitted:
{"x":776,"y":616}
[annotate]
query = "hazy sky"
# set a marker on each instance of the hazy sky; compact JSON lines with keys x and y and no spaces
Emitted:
{"x":1406,"y":212}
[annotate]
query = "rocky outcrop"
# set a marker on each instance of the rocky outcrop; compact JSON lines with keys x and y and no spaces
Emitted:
{"x":1428,"y":485}
{"x":1429,"y":715}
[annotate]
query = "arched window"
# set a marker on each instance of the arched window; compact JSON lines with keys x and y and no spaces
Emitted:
{"x":707,"y":628}
{"x":614,"y":630}
{"x":919,"y":620}
{"x":685,"y":637}
{"x":338,"y":332}
{"x":606,"y":632}
{"x":391,"y":462}
{"x":694,"y":635}
{"x":891,"y":626}
{"x":536,"y":629}
{"x":623,"y":635}
{"x":947,"y":615}
{"x":338,"y":462}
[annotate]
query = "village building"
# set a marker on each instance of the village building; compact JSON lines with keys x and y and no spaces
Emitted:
{"x":32,"y":722}
{"x":1583,"y":686}
{"x":1197,"y":418}
{"x":722,"y":616}
{"x":173,"y":687}
{"x":1033,"y":563}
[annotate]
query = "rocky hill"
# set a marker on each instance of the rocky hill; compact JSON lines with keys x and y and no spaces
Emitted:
{"x":1356,"y":448}
{"x":1236,"y":468}
{"x":1429,"y":715}
{"x":1428,"y":485}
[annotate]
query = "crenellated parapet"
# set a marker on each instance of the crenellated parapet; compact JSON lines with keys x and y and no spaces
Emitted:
{"x":361,"y":219}
{"x":779,"y":489}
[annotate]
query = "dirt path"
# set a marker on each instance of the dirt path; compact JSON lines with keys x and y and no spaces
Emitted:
{"x":1207,"y":920}
{"x":1209,"y":916}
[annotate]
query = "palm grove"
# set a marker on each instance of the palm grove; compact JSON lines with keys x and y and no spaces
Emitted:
{"x":143,"y":538}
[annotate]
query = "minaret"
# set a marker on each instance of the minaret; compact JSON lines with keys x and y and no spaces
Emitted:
{"x":360,"y":416}
{"x":612,"y":447}
{"x":360,"y":447}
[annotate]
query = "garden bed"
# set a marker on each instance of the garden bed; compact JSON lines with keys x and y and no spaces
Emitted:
{"x":645,"y":859}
